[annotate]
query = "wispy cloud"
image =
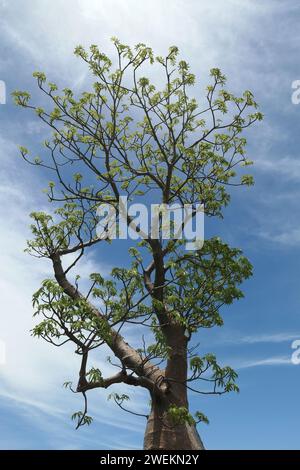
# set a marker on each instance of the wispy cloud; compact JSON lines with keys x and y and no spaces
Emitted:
{"x":289,"y":237}
{"x":269,"y":338}
{"x":269,"y":361}
{"x":287,"y":167}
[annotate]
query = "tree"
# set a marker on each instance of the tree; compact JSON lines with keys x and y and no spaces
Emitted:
{"x":128,"y":137}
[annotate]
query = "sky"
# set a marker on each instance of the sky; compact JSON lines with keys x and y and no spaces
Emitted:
{"x":256,"y":44}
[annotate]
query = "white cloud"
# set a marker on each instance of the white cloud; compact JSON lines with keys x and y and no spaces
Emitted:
{"x":287,"y":167}
{"x":268,"y":338}
{"x":269,"y":361}
{"x":290,"y":238}
{"x":48,"y":31}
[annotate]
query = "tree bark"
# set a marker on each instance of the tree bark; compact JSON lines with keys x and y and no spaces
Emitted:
{"x":161,"y":433}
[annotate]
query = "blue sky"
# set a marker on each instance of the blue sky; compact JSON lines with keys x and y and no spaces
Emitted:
{"x":256,"y":44}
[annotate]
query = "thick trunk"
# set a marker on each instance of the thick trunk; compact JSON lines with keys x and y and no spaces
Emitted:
{"x":161,"y":433}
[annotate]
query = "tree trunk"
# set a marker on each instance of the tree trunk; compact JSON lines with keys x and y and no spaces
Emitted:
{"x":161,"y":433}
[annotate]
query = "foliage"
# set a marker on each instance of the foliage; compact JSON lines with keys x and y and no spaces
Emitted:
{"x":128,"y":136}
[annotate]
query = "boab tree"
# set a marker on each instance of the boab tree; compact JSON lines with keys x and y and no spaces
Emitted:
{"x":127,"y":136}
